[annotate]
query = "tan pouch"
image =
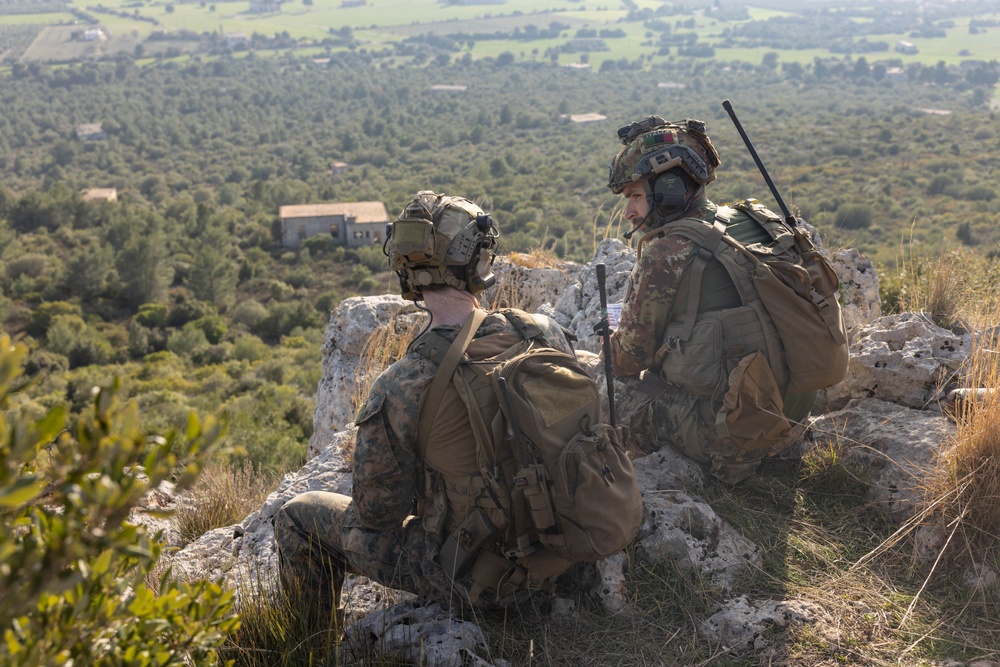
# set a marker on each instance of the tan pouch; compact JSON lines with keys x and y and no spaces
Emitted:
{"x":751,"y":422}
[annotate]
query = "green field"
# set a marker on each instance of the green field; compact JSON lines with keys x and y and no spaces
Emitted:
{"x":387,"y":22}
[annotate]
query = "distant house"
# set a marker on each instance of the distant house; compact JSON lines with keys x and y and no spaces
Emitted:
{"x":577,"y":67}
{"x":448,"y":88}
{"x":90,"y":132}
{"x":908,"y":48}
{"x":100,"y":194}
{"x":352,"y":224}
{"x":264,"y":6}
{"x":235,"y":38}
{"x":895,"y":73}
{"x":671,"y":85}
{"x":353,"y":3}
{"x":338,"y":168}
{"x":94,"y":34}
{"x":584,"y":118}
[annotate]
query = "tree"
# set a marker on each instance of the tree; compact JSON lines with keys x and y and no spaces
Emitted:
{"x":213,"y":276}
{"x":75,"y":569}
{"x":142,"y":266}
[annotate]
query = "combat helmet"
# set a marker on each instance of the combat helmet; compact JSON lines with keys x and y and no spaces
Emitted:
{"x":654,"y":146}
{"x":441,"y":240}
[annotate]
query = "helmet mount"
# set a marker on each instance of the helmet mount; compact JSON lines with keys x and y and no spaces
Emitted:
{"x":442,"y":240}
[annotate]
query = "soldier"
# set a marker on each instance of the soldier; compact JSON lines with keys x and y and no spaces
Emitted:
{"x":662,"y":172}
{"x":442,"y":249}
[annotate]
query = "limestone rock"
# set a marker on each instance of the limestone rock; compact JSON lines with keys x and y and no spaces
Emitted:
{"x":417,"y":634}
{"x":904,"y":359}
{"x":896,"y":445}
{"x":522,"y":285}
{"x":668,"y":470}
{"x":688,"y":532}
{"x":581,"y":303}
{"x":610,"y":587}
{"x":858,"y":286}
{"x":739,"y":625}
{"x":351,"y":324}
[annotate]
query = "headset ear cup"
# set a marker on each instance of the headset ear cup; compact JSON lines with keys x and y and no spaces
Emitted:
{"x":670,"y":192}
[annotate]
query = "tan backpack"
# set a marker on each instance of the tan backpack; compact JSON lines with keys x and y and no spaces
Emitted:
{"x":561,"y":474}
{"x":789,"y":309}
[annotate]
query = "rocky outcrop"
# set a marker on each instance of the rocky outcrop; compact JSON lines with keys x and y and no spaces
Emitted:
{"x":904,"y":359}
{"x":883,"y":418}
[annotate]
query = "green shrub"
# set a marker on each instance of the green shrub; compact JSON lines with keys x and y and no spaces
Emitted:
{"x":42,"y":318}
{"x":249,"y":313}
{"x":213,"y":326}
{"x":188,"y":341}
{"x":153,"y":315}
{"x":327,"y":301}
{"x":250,"y":348}
{"x":979,"y":193}
{"x":853,"y":216}
{"x":74,"y":575}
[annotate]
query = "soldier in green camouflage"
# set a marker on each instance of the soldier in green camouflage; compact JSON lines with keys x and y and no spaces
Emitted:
{"x":442,"y":249}
{"x":662,"y":172}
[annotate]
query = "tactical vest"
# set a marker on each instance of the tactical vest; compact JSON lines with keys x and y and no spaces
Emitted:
{"x":721,"y":318}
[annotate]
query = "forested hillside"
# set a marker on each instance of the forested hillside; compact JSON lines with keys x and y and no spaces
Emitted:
{"x":181,"y":287}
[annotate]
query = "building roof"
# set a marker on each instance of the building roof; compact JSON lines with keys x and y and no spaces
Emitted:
{"x":587,"y":117}
{"x":100,"y":194}
{"x":448,"y":88}
{"x":361,"y":211}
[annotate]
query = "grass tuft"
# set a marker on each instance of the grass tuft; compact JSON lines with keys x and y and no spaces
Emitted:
{"x":225,"y":494}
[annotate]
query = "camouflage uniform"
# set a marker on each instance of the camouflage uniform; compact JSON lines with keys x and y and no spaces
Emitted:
{"x":321,"y":535}
{"x":659,"y":413}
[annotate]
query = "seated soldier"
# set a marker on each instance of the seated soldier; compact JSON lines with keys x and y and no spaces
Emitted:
{"x":442,"y":249}
{"x":662,"y":172}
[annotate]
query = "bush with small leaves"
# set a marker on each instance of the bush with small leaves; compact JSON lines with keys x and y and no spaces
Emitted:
{"x":74,"y":574}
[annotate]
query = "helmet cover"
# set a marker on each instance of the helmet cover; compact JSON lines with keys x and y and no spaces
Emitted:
{"x":442,"y":240}
{"x":654,"y":145}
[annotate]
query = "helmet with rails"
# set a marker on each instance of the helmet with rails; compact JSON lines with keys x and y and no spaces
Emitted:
{"x":670,"y":159}
{"x":441,"y":240}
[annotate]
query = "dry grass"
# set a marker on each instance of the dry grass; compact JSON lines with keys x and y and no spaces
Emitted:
{"x":225,"y":494}
{"x":966,"y":493}
{"x":384,"y":346}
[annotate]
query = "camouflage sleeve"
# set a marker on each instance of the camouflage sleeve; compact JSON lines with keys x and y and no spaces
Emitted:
{"x":651,"y":292}
{"x":385,"y":465}
{"x":554,"y":335}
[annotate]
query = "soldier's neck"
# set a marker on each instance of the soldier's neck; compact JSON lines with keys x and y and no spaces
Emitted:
{"x":449,"y":306}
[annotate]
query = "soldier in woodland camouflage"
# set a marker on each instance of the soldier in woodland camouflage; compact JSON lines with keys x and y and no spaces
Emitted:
{"x":662,"y":171}
{"x":442,"y":249}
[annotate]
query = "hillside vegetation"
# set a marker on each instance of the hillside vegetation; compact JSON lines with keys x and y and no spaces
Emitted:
{"x":181,"y":288}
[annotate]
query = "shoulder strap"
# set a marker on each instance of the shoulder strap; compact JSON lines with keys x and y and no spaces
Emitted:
{"x":523,"y":322}
{"x":445,"y":371}
{"x":694,"y":272}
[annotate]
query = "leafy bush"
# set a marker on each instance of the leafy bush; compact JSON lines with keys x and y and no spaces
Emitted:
{"x":250,"y":348}
{"x":853,"y":216}
{"x":249,"y":313}
{"x":979,"y":193}
{"x":74,"y":569}
{"x":188,"y":341}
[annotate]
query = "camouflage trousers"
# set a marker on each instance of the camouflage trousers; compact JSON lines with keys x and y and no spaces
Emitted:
{"x":661,"y":414}
{"x":316,"y":549}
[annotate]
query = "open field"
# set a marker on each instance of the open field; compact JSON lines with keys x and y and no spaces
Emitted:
{"x":387,"y":22}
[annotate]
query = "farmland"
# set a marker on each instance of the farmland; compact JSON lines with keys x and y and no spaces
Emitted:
{"x":561,"y":31}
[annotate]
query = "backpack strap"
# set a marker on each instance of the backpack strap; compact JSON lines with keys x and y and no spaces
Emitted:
{"x":523,"y":322}
{"x":445,"y":371}
{"x":696,"y":269}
